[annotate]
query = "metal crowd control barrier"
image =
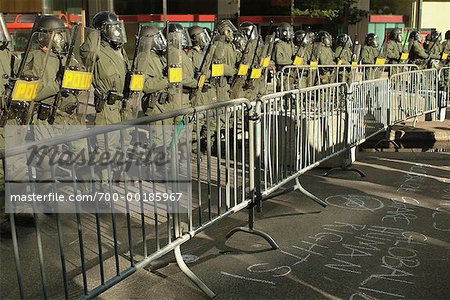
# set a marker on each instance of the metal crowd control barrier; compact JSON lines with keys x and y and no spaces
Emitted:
{"x":413,"y":93}
{"x":444,"y":91}
{"x":367,"y":108}
{"x":299,"y":130}
{"x":251,"y":151}
{"x":293,"y":77}
{"x":96,"y":251}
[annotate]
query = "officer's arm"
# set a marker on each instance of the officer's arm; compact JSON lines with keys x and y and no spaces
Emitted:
{"x":230,"y":67}
{"x":419,"y":51}
{"x":365,"y":56}
{"x":188,"y":79}
{"x":90,"y":48}
{"x":392,"y":52}
{"x":154,"y":80}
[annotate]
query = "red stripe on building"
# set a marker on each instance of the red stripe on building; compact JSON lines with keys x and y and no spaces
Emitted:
{"x":388,"y":19}
{"x":170,"y":18}
{"x":281,"y":19}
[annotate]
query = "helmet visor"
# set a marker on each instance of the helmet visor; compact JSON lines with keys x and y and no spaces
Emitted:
{"x":115,"y":32}
{"x":4,"y":33}
{"x":202,"y":38}
{"x":251,"y":32}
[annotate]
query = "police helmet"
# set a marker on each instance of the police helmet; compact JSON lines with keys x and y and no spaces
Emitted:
{"x":45,"y":26}
{"x":111,"y":28}
{"x":153,"y":37}
{"x":325,"y":38}
{"x":372,"y":40}
{"x":199,"y":36}
{"x":177,"y":27}
{"x":285,"y":32}
{"x":301,"y":38}
{"x":396,"y":35}
{"x":249,"y":30}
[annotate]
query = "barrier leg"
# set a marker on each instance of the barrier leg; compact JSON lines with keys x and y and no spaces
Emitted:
{"x":346,"y":164}
{"x":184,"y":268}
{"x":251,"y":230}
{"x":388,"y":140}
{"x":298,"y":186}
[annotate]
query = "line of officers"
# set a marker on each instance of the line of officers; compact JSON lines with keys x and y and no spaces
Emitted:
{"x":177,"y":67}
{"x":172,"y":68}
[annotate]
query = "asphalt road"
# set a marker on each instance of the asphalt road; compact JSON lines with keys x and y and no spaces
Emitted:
{"x":383,"y":236}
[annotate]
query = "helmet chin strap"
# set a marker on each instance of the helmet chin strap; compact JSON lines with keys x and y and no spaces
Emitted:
{"x":116,"y":45}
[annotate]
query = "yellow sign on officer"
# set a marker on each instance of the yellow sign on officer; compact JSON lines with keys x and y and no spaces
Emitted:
{"x":218,"y":70}
{"x":137,"y":82}
{"x":243,"y":70}
{"x":77,"y":80}
{"x":298,"y":61}
{"x":175,"y":75}
{"x":265,"y":62}
{"x":256,"y":73}
{"x":25,"y":90}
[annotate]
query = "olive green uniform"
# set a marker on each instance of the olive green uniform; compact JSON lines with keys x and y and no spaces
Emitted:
{"x":110,"y":70}
{"x":369,"y":54}
{"x":434,"y":53}
{"x":225,"y":54}
{"x":155,"y":81}
{"x":325,"y":56}
{"x":394,"y":52}
{"x":417,"y":54}
{"x":283,"y":53}
{"x":344,"y":55}
{"x":256,"y":87}
{"x":238,"y":88}
{"x":208,"y":94}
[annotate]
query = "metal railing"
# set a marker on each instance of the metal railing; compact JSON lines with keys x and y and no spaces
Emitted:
{"x":294,"y":77}
{"x":300,"y":128}
{"x":242,"y":153}
{"x":98,"y":250}
{"x":367,"y":108}
{"x":444,"y":91}
{"x":413,"y":93}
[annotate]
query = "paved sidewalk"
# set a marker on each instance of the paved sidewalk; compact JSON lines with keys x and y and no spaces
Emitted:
{"x":384,"y":236}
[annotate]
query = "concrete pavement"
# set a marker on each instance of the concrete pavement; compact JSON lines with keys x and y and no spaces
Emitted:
{"x":381,"y":237}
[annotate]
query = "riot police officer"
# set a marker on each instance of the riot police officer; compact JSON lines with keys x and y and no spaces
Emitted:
{"x":417,"y":54}
{"x":283,"y":52}
{"x":111,"y":67}
{"x":303,"y":45}
{"x":225,"y":54}
{"x":433,"y":48}
{"x":248,"y":41}
{"x":343,"y":51}
{"x":394,"y":46}
{"x":325,"y":55}
{"x":188,"y":83}
{"x":252,"y":86}
{"x":369,"y":52}
{"x":59,"y":104}
{"x":200,"y":41}
{"x":153,"y":63}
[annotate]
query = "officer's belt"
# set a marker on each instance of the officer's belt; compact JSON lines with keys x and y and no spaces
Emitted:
{"x":110,"y":98}
{"x":187,"y":90}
